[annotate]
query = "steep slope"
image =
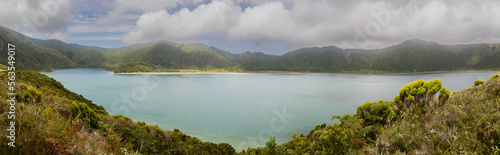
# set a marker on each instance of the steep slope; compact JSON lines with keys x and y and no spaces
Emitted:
{"x":168,"y":55}
{"x":421,"y":56}
{"x":30,"y":55}
{"x":408,"y":56}
{"x":465,"y":122}
{"x":324,"y":59}
{"x":53,"y":120}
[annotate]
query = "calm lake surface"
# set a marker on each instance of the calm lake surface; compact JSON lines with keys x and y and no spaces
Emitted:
{"x":242,"y":109}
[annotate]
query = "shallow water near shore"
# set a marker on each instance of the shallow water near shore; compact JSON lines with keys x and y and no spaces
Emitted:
{"x":242,"y":109}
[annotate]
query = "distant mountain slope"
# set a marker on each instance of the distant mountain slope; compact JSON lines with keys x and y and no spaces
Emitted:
{"x":324,"y":59}
{"x":408,"y":56}
{"x":31,"y":55}
{"x":164,"y":54}
{"x":418,"y":56}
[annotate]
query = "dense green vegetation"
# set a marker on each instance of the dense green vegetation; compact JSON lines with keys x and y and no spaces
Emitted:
{"x":409,"y":56}
{"x":465,"y":122}
{"x":57,"y":121}
{"x":33,"y":56}
{"x":53,"y":120}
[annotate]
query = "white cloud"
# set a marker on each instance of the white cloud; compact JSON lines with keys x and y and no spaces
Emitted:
{"x":368,"y":24}
{"x":263,"y":24}
{"x":43,"y":18}
{"x":91,"y":28}
{"x":269,"y":21}
{"x":217,"y":16}
{"x":124,"y":7}
{"x":95,"y":38}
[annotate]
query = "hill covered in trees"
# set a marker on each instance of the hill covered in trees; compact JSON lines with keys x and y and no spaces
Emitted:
{"x":164,"y":56}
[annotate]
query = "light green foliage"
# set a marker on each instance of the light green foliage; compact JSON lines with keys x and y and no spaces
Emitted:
{"x":331,"y":139}
{"x":397,"y":99}
{"x":444,"y":94}
{"x":495,"y":76}
{"x":417,"y":92}
{"x":30,"y":95}
{"x":417,"y":88}
{"x":410,"y":98}
{"x":52,"y":127}
{"x":86,"y":113}
{"x":434,"y":86}
{"x":496,"y":90}
{"x":377,"y":112}
{"x":468,"y":123}
{"x":404,"y":91}
{"x":48,"y":112}
{"x":478,"y":82}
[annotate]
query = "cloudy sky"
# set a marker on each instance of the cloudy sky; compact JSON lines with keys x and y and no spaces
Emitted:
{"x":271,"y":26}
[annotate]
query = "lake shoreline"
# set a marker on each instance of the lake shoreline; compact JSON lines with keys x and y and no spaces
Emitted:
{"x":287,"y":72}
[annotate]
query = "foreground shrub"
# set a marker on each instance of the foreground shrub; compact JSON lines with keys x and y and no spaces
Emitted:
{"x":86,"y":113}
{"x":478,"y":82}
{"x":417,"y":93}
{"x":376,"y":112}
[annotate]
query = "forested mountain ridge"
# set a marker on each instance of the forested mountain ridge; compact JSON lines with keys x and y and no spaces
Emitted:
{"x":158,"y":56}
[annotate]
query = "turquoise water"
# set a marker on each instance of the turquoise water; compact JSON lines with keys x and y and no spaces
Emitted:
{"x":242,"y":109}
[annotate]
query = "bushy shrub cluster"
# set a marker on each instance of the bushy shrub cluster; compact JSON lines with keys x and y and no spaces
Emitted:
{"x":355,"y":134}
{"x":376,"y":112}
{"x":478,"y":82}
{"x":62,"y":122}
{"x":28,"y":95}
{"x":416,"y":93}
{"x":86,"y":113}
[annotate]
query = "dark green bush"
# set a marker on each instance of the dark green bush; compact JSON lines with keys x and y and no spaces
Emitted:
{"x":29,"y":95}
{"x":478,"y":82}
{"x":86,"y":113}
{"x":376,"y":113}
{"x":417,"y":92}
{"x":444,"y":94}
{"x":496,"y":90}
{"x":495,"y":76}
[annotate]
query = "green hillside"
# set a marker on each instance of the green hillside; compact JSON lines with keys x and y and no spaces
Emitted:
{"x":31,"y":55}
{"x":418,"y":121}
{"x":422,"y":56}
{"x":168,"y":55}
{"x":409,"y":56}
{"x":160,"y":56}
{"x":53,"y":120}
{"x":424,"y":118}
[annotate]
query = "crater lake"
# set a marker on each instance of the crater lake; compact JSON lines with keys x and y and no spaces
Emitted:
{"x":243,"y":110}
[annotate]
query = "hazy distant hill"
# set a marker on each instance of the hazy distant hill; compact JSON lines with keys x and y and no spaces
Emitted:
{"x":408,"y":56}
{"x":31,"y":55}
{"x":164,"y":54}
{"x":418,"y":55}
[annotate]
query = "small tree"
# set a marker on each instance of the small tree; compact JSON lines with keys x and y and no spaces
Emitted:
{"x":444,"y":94}
{"x":417,"y":92}
{"x":87,"y":114}
{"x":376,"y":113}
{"x":495,"y":76}
{"x":478,"y":82}
{"x":271,"y":146}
